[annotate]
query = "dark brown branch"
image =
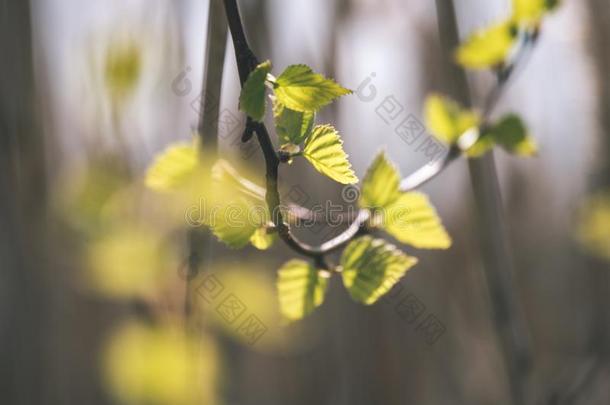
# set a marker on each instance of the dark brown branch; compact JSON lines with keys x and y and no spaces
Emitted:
{"x":246,"y":62}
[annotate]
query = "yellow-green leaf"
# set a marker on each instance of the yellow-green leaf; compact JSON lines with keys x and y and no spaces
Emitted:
{"x":262,"y":239}
{"x":593,"y":231}
{"x":324,"y":150}
{"x":123,"y":68}
{"x":413,"y":220}
{"x":292,"y":126}
{"x":301,"y":288}
{"x":380,"y":184}
{"x":446,"y":120}
{"x":371,"y":267}
{"x":488,"y":47}
{"x":252,"y":97}
{"x":301,"y":89}
{"x":235,"y":221}
{"x":173,"y":168}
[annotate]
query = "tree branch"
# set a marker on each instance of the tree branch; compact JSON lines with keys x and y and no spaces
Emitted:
{"x":246,"y":62}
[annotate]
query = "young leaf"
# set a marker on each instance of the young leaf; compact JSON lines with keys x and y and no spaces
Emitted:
{"x":488,"y":47}
{"x":252,"y":97}
{"x":371,"y":267}
{"x":301,"y":288}
{"x":226,"y":176}
{"x":261,"y":239}
{"x":173,"y":168}
{"x":380,"y":184}
{"x":446,"y":120}
{"x":236,"y":221}
{"x":511,"y":134}
{"x":324,"y":150}
{"x":300,"y":89}
{"x":483,"y":145}
{"x":593,"y":231}
{"x":292,"y":126}
{"x":413,"y":220}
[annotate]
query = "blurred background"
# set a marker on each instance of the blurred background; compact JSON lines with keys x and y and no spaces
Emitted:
{"x":93,"y":264}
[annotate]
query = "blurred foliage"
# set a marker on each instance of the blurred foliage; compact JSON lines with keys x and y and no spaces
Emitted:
{"x":122,"y":68}
{"x":130,"y":261}
{"x":593,"y":231}
{"x":160,"y":365}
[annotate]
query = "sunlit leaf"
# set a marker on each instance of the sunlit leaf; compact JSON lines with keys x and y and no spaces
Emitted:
{"x":484,"y":144}
{"x":324,"y":150}
{"x":301,"y":89}
{"x":371,"y":267}
{"x":252,"y":97}
{"x":173,"y":168}
{"x":301,"y":288}
{"x":488,"y":47}
{"x":262,"y":239}
{"x":235,"y":221}
{"x":292,"y":126}
{"x":413,"y":220}
{"x":593,"y":230}
{"x":446,"y":120}
{"x":380,"y":184}
{"x":158,"y":365}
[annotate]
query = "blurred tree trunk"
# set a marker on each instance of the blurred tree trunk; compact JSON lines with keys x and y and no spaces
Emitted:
{"x":599,"y":19}
{"x":23,"y":295}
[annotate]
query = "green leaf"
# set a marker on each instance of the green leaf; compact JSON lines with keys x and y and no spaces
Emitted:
{"x":446,"y":120}
{"x":262,"y":239}
{"x":511,"y":134}
{"x":413,"y":220}
{"x":292,"y":126}
{"x":173,"y":168}
{"x":300,"y":89}
{"x":483,"y":145}
{"x":324,"y":150}
{"x":371,"y":267}
{"x":531,"y":12}
{"x":235,"y":221}
{"x":301,"y":288}
{"x":380,"y":184}
{"x":488,"y":47}
{"x":593,"y":230}
{"x":252,"y":97}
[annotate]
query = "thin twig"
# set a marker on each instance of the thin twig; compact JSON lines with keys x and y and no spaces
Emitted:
{"x":246,"y":62}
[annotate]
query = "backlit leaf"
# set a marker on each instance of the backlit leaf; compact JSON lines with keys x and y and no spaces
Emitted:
{"x":235,"y":221}
{"x":292,"y":126}
{"x":593,"y":230}
{"x":324,"y":150}
{"x":446,"y":120}
{"x":252,"y":97}
{"x":173,"y":168}
{"x":262,"y":239}
{"x":414,"y":221}
{"x":301,"y":288}
{"x":371,"y":267}
{"x":301,"y":89}
{"x":488,"y":47}
{"x":380,"y":184}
